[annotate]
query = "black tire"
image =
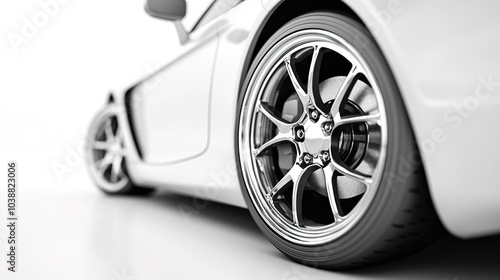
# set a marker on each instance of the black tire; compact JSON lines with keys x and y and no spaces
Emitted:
{"x":401,"y":218}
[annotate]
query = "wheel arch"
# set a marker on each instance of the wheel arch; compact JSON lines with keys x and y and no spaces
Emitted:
{"x":285,"y":11}
{"x":280,"y":12}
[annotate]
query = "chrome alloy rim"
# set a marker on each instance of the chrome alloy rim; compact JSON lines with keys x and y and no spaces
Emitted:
{"x":312,"y":137}
{"x":106,"y":154}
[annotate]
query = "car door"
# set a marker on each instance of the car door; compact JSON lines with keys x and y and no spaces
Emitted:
{"x":171,"y":109}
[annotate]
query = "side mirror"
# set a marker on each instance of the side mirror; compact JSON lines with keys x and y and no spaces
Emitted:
{"x":173,"y":10}
{"x":166,"y":9}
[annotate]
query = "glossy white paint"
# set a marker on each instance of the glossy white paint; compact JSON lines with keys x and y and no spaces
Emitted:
{"x":171,"y":108}
{"x":444,"y":54}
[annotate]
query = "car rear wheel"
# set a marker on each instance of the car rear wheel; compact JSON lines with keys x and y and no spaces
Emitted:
{"x":322,"y":132}
{"x":105,"y":155}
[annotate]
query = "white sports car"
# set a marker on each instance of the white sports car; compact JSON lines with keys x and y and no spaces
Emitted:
{"x":351,"y":130}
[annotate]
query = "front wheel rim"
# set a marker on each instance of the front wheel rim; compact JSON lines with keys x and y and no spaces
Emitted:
{"x":325,"y":134}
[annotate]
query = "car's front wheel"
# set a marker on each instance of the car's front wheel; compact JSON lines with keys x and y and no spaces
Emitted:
{"x":321,"y":133}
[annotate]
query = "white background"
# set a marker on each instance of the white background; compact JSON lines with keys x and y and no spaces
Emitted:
{"x":51,"y":86}
{"x":54,"y":83}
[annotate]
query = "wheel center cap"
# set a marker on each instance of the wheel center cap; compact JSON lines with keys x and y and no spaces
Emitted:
{"x":315,"y":140}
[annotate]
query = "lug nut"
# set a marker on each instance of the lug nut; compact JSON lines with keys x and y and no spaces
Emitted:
{"x":299,"y":133}
{"x":325,"y":156}
{"x":327,"y":127}
{"x":307,"y":158}
{"x":314,"y":115}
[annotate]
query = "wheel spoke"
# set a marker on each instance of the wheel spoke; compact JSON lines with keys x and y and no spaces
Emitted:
{"x":295,"y":82}
{"x":328,"y":171}
{"x":108,"y":130}
{"x":299,"y":182}
{"x":357,"y":119}
{"x":313,"y":82}
{"x":118,"y":136}
{"x":351,"y":173}
{"x":344,"y":92}
{"x":283,"y":126}
{"x":298,"y":177}
{"x":100,"y":145}
{"x":104,"y":163}
{"x":116,"y":168}
{"x":276,"y":140}
{"x":282,"y":183}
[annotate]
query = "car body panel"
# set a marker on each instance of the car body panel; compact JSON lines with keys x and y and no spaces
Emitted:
{"x":438,"y":65}
{"x":171,"y":116}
